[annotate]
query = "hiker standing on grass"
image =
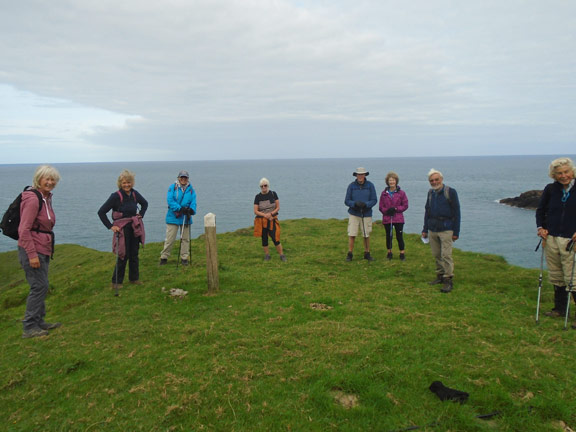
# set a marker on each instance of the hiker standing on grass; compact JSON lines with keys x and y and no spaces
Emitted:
{"x":556,"y":222}
{"x":127,"y":227}
{"x":360,"y":198}
{"x":393,"y":204}
{"x":36,"y":246}
{"x":266,"y":208}
{"x":442,"y":227}
{"x":181,"y":199}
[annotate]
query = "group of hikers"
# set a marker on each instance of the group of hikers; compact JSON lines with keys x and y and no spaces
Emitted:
{"x":555,"y":220}
{"x":441,"y":219}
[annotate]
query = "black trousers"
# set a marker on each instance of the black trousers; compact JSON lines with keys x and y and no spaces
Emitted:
{"x":132,"y":246}
{"x":399,"y":228}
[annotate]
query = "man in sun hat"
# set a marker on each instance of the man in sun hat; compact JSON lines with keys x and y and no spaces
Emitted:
{"x":441,"y":227}
{"x":360,"y":198}
{"x":181,"y":199}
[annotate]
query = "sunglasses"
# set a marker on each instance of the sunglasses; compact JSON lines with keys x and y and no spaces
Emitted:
{"x":264,"y":186}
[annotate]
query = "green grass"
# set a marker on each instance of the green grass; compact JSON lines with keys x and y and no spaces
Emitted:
{"x":258,"y":357}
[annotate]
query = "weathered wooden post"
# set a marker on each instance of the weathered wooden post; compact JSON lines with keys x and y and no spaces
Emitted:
{"x":211,"y":253}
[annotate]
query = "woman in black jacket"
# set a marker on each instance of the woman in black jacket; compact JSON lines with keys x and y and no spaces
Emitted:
{"x":556,"y":222}
{"x":126,"y":226}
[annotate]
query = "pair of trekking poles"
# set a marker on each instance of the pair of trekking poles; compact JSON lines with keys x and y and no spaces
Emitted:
{"x":569,"y":248}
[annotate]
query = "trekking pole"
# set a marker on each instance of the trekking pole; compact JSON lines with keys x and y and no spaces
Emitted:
{"x":190,"y":244}
{"x":117,"y":262}
{"x":363,"y":227}
{"x":181,"y":234}
{"x":570,"y":248}
{"x":539,"y":279}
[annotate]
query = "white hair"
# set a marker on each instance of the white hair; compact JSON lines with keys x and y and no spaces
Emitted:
{"x":264,"y":181}
{"x":434,"y":171}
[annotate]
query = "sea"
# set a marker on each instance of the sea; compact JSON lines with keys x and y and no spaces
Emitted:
{"x":307,"y":188}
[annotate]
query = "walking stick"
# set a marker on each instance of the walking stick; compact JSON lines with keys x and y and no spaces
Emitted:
{"x":539,"y":280}
{"x":117,"y":261}
{"x":570,"y":248}
{"x":391,"y":232}
{"x":181,"y":234}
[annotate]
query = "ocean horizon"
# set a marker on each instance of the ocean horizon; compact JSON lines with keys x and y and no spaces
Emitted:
{"x":307,"y":188}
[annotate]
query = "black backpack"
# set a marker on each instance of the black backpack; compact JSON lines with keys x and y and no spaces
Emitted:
{"x":11,"y":218}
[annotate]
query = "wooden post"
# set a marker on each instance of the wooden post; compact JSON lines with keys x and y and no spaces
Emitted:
{"x":211,"y":253}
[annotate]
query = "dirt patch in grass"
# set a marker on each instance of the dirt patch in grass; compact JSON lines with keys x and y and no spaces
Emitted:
{"x":347,"y":400}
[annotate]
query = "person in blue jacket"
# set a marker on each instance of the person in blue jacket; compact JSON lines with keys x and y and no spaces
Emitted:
{"x":441,"y":227}
{"x":360,"y":198}
{"x":181,"y":199}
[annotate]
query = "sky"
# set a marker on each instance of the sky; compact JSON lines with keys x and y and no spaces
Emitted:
{"x":127,"y":80}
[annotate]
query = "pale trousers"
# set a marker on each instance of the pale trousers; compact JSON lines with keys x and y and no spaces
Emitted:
{"x":441,"y":247}
{"x":359,"y":224}
{"x":559,"y":261}
{"x":171,"y":233}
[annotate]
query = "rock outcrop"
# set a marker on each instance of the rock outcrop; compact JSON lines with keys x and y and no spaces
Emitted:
{"x":527,"y":200}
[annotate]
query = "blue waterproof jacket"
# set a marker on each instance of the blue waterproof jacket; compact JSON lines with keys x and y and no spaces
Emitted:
{"x":442,"y":214}
{"x":178,"y":198}
{"x":365,"y":193}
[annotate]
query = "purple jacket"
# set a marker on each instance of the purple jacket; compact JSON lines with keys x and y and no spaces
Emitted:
{"x":398,"y":200}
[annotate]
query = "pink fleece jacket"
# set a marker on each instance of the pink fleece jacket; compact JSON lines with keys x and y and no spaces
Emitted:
{"x":30,"y":220}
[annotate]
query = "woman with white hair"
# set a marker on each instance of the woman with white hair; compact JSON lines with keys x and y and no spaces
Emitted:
{"x":36,"y":246}
{"x":556,"y":222}
{"x":266,"y":208}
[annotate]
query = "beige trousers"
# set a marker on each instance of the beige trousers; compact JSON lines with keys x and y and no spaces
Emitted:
{"x":171,"y":232}
{"x":559,"y":261}
{"x":441,"y":247}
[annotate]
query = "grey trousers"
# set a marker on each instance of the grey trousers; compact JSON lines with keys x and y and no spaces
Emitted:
{"x":39,"y":285}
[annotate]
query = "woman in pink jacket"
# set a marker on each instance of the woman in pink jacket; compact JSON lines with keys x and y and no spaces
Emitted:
{"x":393,"y":204}
{"x":36,"y":246}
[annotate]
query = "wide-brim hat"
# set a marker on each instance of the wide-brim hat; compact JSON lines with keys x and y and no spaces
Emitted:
{"x":360,"y":170}
{"x":183,"y":174}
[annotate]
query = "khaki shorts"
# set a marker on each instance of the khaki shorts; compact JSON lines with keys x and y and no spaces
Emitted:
{"x":355,"y":226}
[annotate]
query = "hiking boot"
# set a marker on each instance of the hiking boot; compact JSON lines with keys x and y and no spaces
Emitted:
{"x":436,"y":281}
{"x":49,"y":326}
{"x":136,"y":282}
{"x":283,"y":258}
{"x":267,"y":257}
{"x":402,"y":257}
{"x":389,"y":256}
{"x":35,"y":332}
{"x":447,"y":285}
{"x":349,"y":256}
{"x":117,"y":286}
{"x":554,"y":313}
{"x":368,"y":257}
{"x":163,"y":261}
{"x":184,"y":262}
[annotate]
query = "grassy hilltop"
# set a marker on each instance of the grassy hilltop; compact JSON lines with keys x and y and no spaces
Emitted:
{"x":314,"y":344}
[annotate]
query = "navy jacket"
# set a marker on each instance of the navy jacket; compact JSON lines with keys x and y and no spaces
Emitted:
{"x":365,"y":193}
{"x":442,"y":214}
{"x":558,"y":217}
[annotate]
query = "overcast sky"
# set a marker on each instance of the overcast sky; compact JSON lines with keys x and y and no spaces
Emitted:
{"x":121,"y":80}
